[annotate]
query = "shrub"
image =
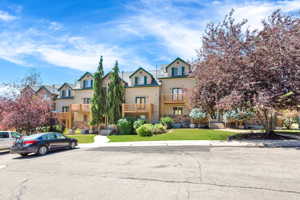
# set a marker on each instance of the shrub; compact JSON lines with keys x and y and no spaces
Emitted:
{"x":145,"y":130}
{"x":196,"y":113}
{"x":167,"y":121}
{"x":138,"y":123}
{"x":158,"y":129}
{"x":124,"y":126}
{"x":78,"y":131}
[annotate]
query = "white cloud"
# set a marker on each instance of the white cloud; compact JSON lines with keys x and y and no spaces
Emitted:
{"x":5,"y":16}
{"x":256,"y":11}
{"x":55,"y":26}
{"x":167,"y":24}
{"x":63,"y":50}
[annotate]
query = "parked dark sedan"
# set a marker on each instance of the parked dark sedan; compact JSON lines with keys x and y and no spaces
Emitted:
{"x":42,"y":143}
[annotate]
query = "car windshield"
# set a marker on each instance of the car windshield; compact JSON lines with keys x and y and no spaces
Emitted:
{"x":4,"y":135}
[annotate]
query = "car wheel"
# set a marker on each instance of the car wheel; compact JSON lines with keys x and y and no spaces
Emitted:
{"x":24,"y":154}
{"x":72,"y":145}
{"x":43,"y":150}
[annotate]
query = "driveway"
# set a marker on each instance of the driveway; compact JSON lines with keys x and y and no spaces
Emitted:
{"x":139,"y":173}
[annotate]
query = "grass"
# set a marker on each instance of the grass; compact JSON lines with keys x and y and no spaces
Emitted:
{"x":176,"y":134}
{"x":88,"y":138}
{"x":288,"y":131}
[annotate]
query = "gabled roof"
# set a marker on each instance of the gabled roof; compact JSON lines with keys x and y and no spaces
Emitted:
{"x":67,"y":84}
{"x":106,"y":75}
{"x":43,"y":87}
{"x":142,"y":70}
{"x":177,"y":59}
{"x":86,"y":73}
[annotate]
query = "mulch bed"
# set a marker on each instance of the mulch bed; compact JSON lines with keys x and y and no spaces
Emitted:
{"x":259,"y":136}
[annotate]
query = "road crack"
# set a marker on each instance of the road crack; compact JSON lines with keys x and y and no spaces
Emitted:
{"x":211,"y":184}
{"x":21,"y":189}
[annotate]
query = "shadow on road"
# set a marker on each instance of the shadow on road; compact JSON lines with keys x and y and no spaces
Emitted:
{"x":32,"y":156}
{"x":4,"y":152}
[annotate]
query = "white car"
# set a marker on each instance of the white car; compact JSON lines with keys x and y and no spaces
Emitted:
{"x":7,"y":139}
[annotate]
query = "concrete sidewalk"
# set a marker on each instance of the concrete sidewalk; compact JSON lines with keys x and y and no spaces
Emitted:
{"x":103,"y":141}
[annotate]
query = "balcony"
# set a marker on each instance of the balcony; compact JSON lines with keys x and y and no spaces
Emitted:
{"x":80,"y":107}
{"x":62,"y":115}
{"x":137,"y":108}
{"x":174,"y":98}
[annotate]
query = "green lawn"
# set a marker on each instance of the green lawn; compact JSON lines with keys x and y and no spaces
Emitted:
{"x":83,"y":138}
{"x":177,"y":134}
{"x":288,"y":131}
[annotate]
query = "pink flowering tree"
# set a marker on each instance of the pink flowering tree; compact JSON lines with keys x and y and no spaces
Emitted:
{"x":25,"y":113}
{"x":257,"y":71}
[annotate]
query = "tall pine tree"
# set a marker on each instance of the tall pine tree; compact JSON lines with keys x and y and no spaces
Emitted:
{"x":115,"y":95}
{"x":99,"y":107}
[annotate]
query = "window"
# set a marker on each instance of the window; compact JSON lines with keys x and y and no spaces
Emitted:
{"x":63,"y":93}
{"x":86,"y":100}
{"x":51,"y":136}
{"x":174,"y":71}
{"x":87,"y":83}
{"x":177,"y":110}
{"x":69,"y":93}
{"x":60,"y":136}
{"x":46,"y":97}
{"x":65,"y":109}
{"x":140,"y":80}
{"x":4,"y":135}
{"x":177,"y":94}
{"x":180,"y":71}
{"x":15,"y":135}
{"x":140,"y":100}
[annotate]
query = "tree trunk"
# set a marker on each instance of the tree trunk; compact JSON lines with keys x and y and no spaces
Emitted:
{"x":270,"y":122}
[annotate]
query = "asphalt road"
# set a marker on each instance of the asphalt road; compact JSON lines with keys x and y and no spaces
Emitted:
{"x":160,"y":173}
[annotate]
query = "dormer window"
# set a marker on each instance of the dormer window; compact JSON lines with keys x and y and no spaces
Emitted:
{"x":66,"y":93}
{"x":87,"y":84}
{"x":139,"y":80}
{"x":178,"y":71}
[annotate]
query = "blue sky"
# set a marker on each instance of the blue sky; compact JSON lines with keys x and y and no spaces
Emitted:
{"x":61,"y":39}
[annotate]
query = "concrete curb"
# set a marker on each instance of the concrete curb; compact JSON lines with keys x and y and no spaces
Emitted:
{"x":103,"y":141}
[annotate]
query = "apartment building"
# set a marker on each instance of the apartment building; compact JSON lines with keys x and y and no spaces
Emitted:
{"x":148,"y":94}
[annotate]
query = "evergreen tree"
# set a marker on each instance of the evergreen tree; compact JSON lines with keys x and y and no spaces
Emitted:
{"x":99,"y":97}
{"x":115,"y":95}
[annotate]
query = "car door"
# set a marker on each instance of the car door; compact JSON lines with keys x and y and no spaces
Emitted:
{"x":52,"y":141}
{"x":4,"y":140}
{"x":62,"y":140}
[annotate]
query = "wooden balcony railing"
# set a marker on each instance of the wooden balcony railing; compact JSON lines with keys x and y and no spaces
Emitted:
{"x":137,"y":108}
{"x":80,"y":107}
{"x":174,"y":98}
{"x":62,"y":115}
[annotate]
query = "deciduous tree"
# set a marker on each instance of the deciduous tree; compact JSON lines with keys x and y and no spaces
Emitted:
{"x":259,"y":70}
{"x":25,"y":112}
